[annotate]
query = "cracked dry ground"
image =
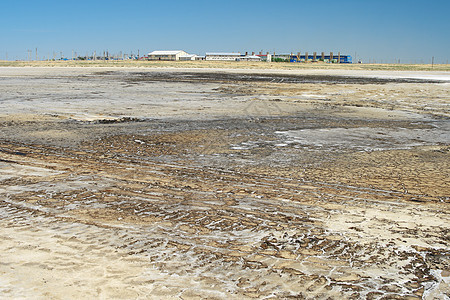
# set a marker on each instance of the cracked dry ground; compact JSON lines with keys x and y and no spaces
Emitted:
{"x":222,"y":209}
{"x":210,"y":231}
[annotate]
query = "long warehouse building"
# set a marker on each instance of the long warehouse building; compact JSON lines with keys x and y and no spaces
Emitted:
{"x":339,"y":58}
{"x":167,"y":55}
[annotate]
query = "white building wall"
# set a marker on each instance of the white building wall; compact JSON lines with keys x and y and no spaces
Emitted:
{"x":223,"y":56}
{"x":181,"y":53}
{"x":187,"y":57}
{"x":169,"y":55}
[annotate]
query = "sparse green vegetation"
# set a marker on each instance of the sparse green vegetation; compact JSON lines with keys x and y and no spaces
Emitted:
{"x":279,"y":59}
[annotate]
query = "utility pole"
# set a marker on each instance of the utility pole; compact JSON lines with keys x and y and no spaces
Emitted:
{"x":36,"y":54}
{"x":432,"y":62}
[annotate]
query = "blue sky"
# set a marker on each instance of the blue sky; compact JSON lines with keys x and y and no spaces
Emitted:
{"x":381,"y":31}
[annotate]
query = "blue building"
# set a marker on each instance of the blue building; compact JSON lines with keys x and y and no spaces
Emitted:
{"x":342,"y":59}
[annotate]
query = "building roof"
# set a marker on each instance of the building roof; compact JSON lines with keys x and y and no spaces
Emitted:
{"x":224,"y":53}
{"x":165,"y":52}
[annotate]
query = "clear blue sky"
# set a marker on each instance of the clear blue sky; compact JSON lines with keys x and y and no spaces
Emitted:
{"x":381,"y":30}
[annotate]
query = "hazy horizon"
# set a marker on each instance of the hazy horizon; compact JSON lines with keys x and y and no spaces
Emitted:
{"x":382,"y":31}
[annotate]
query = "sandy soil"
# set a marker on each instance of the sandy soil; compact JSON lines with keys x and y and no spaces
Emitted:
{"x":231,"y":65}
{"x":139,"y":183}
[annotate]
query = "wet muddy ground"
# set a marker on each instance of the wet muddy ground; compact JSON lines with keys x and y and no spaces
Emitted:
{"x":162,"y":184}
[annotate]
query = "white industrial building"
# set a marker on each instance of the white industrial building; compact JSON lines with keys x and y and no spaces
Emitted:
{"x":167,"y":55}
{"x":180,"y":55}
{"x":188,"y":57}
{"x":250,"y":58}
{"x":223,"y":56}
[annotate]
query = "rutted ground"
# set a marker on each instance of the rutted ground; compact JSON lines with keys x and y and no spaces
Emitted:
{"x":233,"y":207}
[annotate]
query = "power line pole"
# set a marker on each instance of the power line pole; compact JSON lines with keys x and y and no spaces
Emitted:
{"x":432,"y":62}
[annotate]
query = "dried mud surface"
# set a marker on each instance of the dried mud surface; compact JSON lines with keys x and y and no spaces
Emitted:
{"x":171,"y":185}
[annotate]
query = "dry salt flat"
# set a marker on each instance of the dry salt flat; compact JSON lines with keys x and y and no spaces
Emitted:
{"x":136,"y":183}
